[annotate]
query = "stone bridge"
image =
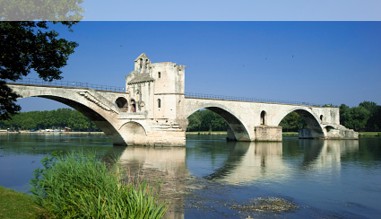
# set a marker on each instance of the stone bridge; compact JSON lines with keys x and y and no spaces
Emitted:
{"x":153,"y":109}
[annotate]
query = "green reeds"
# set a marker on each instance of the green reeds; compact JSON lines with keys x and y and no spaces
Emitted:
{"x":81,"y":186}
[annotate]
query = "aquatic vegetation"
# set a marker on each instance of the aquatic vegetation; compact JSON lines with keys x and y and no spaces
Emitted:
{"x":81,"y":186}
{"x":267,"y":204}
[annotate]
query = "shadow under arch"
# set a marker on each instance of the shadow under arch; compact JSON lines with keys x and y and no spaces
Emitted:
{"x":95,"y":117}
{"x":236,"y":129}
{"x":311,"y":127}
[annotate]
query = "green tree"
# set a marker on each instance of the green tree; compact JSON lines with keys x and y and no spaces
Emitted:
{"x":59,"y":118}
{"x":344,"y":110}
{"x":376,"y":118}
{"x":373,"y":123}
{"x":356,"y":118}
{"x":29,"y":46}
{"x":206,"y":120}
{"x":194,"y":122}
{"x":292,"y":122}
{"x":370,"y":106}
{"x":365,"y":117}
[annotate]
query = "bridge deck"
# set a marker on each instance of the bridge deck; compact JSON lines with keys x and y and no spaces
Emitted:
{"x":67,"y":84}
{"x":188,"y":95}
{"x":246,"y":99}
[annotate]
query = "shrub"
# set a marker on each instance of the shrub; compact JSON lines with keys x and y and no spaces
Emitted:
{"x":81,"y":186}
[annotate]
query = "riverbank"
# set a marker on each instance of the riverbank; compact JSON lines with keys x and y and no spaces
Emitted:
{"x":207,"y":133}
{"x":50,"y":133}
{"x":288,"y":134}
{"x":285,"y":134}
{"x":18,"y":205}
{"x":369,"y":134}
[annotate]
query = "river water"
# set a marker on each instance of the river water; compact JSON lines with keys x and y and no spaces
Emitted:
{"x":212,"y":178}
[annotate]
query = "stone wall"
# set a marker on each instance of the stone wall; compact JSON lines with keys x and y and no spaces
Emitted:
{"x":268,"y":133}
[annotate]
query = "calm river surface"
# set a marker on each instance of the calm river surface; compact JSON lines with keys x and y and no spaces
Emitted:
{"x":212,"y":178}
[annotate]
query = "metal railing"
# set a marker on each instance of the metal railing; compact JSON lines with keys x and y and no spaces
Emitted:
{"x":244,"y":99}
{"x":67,"y":84}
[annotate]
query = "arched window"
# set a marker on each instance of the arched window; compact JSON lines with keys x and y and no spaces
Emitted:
{"x":159,"y":103}
{"x":263,"y":118}
{"x":140,"y":63}
{"x":159,"y":74}
{"x":321,"y":118}
{"x":133,"y":106}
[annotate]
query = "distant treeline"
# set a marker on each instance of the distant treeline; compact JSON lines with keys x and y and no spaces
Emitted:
{"x":54,"y":119}
{"x":364,"y":117}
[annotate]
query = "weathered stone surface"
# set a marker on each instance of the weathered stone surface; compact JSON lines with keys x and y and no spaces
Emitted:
{"x":268,"y":133}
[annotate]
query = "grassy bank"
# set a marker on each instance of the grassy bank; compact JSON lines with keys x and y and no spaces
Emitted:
{"x":82,"y":186}
{"x":18,"y":205}
{"x":207,"y":133}
{"x":370,"y":134}
{"x":288,"y":134}
{"x":50,"y":133}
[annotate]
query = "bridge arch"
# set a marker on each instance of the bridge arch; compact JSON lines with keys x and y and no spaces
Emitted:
{"x":237,"y":131}
{"x":312,"y":127}
{"x":84,"y":101}
{"x":99,"y":120}
{"x":136,"y":133}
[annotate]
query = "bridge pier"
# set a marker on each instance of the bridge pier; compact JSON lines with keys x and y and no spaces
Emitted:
{"x":157,"y":139}
{"x":148,"y":132}
{"x":268,"y":133}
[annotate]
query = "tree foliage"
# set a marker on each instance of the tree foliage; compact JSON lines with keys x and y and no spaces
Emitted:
{"x":25,"y":47}
{"x":206,"y":120}
{"x":53,"y":119}
{"x":292,"y":122}
{"x":364,"y":117}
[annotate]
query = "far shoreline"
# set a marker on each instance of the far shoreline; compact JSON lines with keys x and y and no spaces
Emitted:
{"x":285,"y":134}
{"x":50,"y":133}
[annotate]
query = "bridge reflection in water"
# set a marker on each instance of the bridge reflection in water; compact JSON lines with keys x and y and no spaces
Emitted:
{"x":264,"y":161}
{"x":252,"y":161}
{"x":244,"y":163}
{"x":164,"y":167}
{"x":326,"y":155}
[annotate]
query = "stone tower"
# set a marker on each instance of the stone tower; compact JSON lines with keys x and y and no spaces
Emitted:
{"x":155,"y":95}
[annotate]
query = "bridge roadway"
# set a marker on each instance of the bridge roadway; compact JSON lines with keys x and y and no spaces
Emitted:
{"x":130,"y":123}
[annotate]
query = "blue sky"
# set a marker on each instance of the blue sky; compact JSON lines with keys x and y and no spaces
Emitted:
{"x":229,"y":10}
{"x":315,"y":62}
